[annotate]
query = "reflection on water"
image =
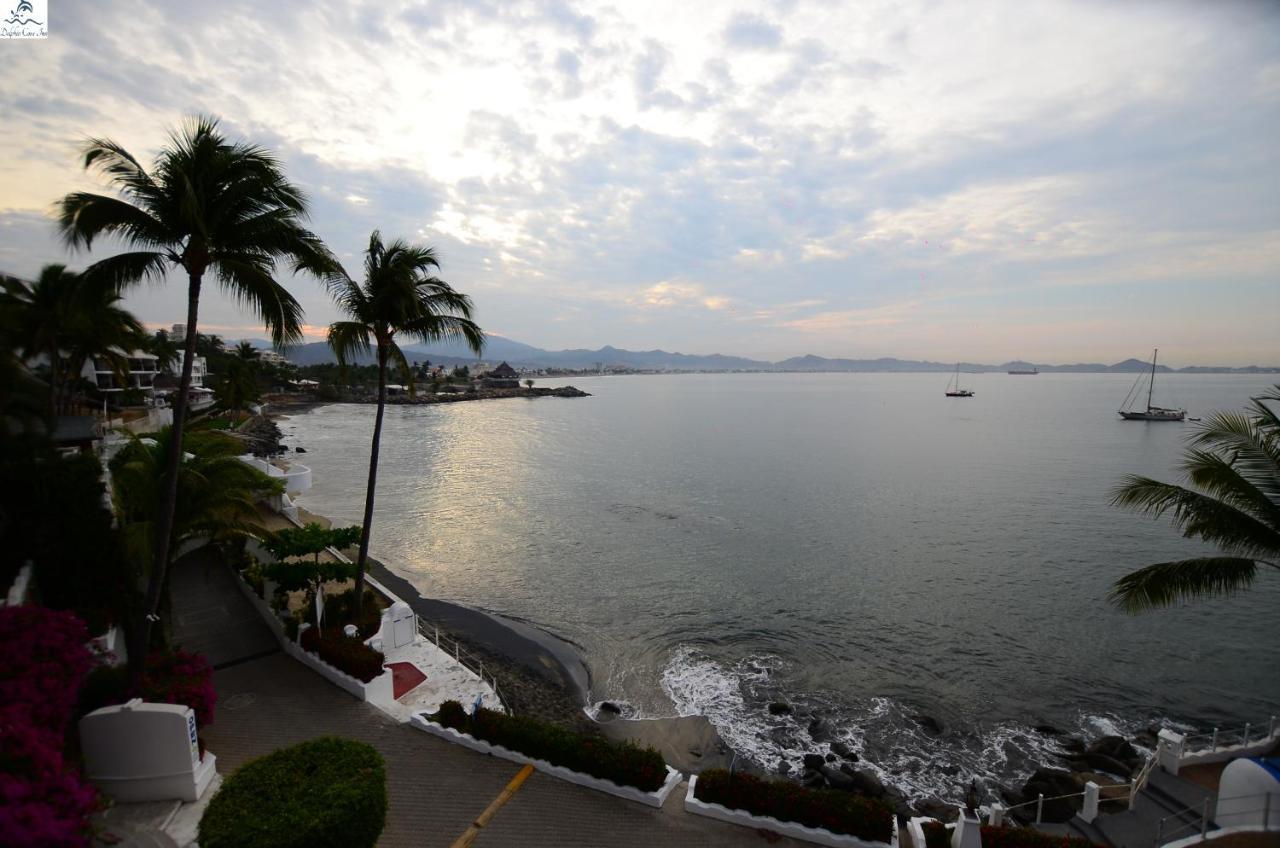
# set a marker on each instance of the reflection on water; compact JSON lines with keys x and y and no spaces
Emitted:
{"x":873,"y":546}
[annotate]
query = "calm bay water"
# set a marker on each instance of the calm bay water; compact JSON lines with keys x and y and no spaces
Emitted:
{"x":859,"y":546}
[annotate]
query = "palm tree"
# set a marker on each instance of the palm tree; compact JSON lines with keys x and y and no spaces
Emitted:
{"x":398,"y":295}
{"x":217,"y":493}
{"x":1233,"y":464}
{"x":68,"y":318}
{"x":245,"y":352}
{"x":206,"y":206}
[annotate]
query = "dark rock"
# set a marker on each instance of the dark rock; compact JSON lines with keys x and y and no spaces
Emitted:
{"x":1074,"y":744}
{"x":938,"y":809}
{"x":1101,"y":762}
{"x":779,"y":708}
{"x":831,"y":758}
{"x":300,"y":450}
{"x":814,"y":761}
{"x":1052,"y":783}
{"x":865,"y":781}
{"x":1149,"y":738}
{"x":784,"y":768}
{"x":1047,"y":730}
{"x":929,"y":724}
{"x":610,"y":707}
{"x":1117,"y":748}
{"x":901,"y":806}
{"x":837,"y":779}
{"x":820,"y":730}
{"x":695,"y":752}
{"x":813,"y":779}
{"x":842,"y":750}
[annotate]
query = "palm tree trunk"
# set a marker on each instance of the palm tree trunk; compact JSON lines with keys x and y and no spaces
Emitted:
{"x":367,"y":529}
{"x":169,"y":501}
{"x":55,"y":389}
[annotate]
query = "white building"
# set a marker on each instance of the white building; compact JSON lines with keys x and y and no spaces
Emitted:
{"x":141,"y":375}
{"x":272,"y":357}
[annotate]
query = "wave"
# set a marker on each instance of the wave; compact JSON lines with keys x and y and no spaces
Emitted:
{"x":735,"y":697}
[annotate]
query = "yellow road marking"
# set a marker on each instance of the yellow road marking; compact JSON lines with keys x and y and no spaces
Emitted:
{"x":503,"y":797}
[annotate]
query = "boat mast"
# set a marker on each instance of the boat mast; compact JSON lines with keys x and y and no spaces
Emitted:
{"x":1152,"y":386}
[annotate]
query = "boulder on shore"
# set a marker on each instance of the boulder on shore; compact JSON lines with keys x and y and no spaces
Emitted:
{"x":1117,"y":748}
{"x":1051,"y":783}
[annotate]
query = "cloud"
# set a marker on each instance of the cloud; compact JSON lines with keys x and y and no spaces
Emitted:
{"x":751,"y":31}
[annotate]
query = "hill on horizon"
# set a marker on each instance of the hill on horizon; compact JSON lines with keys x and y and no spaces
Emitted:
{"x":521,"y":355}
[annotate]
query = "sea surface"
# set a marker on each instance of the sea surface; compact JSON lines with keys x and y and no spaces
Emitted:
{"x":856,"y":545}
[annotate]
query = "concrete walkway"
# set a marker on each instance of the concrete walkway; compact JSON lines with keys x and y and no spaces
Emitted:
{"x":267,"y":700}
{"x":211,"y":617}
{"x":436,"y":789}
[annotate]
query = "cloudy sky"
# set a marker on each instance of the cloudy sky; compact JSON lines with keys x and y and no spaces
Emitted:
{"x":1057,"y":181}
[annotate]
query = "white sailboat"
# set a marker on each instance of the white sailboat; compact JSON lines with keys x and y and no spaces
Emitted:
{"x":1151,"y":413}
{"x":953,"y":387}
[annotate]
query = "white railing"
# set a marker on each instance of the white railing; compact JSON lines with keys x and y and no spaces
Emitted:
{"x":462,"y":656}
{"x":1199,"y":743}
{"x":1262,"y":802}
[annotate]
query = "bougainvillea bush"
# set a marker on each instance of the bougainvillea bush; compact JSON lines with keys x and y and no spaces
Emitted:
{"x":44,"y":801}
{"x":344,"y":653}
{"x":170,"y":678}
{"x":43,"y":660}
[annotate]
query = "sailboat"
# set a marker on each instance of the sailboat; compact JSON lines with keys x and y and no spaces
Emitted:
{"x":1151,"y":413}
{"x":953,"y":387}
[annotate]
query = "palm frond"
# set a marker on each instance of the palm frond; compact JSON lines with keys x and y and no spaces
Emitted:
{"x":347,"y":338}
{"x":1227,"y":481}
{"x":83,"y":216}
{"x":1199,"y":516}
{"x":249,"y":280}
{"x":1167,"y":583}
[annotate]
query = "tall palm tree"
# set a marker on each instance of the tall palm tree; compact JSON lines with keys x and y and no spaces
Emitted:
{"x":217,"y":493}
{"x":1232,"y":463}
{"x":68,"y":318}
{"x":398,"y":296}
{"x":246,"y":352}
{"x":207,"y":205}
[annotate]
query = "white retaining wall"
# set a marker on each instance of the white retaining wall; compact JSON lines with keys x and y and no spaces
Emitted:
{"x":631,"y":793}
{"x":380,"y":691}
{"x":792,"y":829}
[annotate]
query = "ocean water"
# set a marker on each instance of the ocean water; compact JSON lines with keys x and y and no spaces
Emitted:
{"x":856,"y":545}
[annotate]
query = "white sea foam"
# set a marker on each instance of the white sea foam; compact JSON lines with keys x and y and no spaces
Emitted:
{"x":735,"y":696}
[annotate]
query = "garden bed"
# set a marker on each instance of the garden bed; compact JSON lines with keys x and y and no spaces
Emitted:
{"x":793,"y":829}
{"x":664,"y":782}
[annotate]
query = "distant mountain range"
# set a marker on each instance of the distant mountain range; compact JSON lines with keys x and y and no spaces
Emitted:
{"x":519,"y":355}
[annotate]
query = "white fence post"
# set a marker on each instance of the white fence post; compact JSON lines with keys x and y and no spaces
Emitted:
{"x":1169,"y":750}
{"x":1215,"y":739}
{"x":1133,"y":793}
{"x":1090,"y":810}
{"x":1247,"y":727}
{"x":997,"y":816}
{"x":1039,"y":808}
{"x":1204,"y":819}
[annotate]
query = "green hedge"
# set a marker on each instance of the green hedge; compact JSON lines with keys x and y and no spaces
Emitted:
{"x":830,"y":809}
{"x":344,"y":653}
{"x":936,"y":835}
{"x":326,"y":792}
{"x":625,"y":763}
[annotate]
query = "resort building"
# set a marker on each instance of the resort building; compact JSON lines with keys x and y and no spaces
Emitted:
{"x":271,"y":357}
{"x":502,"y":377}
{"x":141,"y":375}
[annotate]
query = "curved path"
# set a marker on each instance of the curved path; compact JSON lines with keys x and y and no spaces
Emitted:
{"x":436,"y":790}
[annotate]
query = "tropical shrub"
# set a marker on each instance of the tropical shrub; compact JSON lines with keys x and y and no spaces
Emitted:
{"x":169,"y":678}
{"x":326,"y":792}
{"x":43,"y":660}
{"x":624,"y":763}
{"x":44,"y":801}
{"x":936,"y":835}
{"x":830,"y":809}
{"x":344,"y":653}
{"x":341,"y":608}
{"x":1027,"y":837}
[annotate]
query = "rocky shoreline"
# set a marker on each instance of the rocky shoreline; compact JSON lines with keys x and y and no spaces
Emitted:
{"x":478,"y":394}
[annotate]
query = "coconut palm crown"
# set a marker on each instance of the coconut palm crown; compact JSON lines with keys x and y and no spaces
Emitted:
{"x":399,"y":296}
{"x":1232,"y":466}
{"x":206,"y":206}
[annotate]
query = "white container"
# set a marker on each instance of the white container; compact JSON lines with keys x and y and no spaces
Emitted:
{"x":145,"y":752}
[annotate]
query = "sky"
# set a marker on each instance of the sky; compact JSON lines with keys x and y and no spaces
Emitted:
{"x":978,"y":181}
